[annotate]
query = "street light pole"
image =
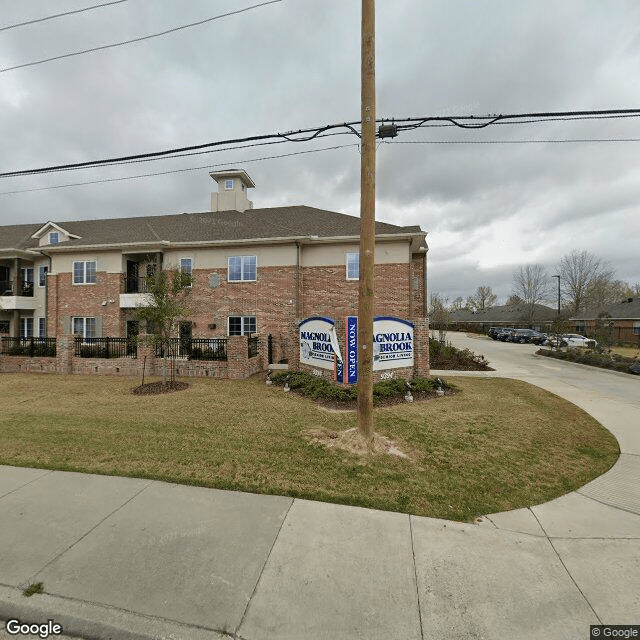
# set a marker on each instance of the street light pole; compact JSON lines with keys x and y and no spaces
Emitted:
{"x":557,"y":276}
{"x":366,"y":297}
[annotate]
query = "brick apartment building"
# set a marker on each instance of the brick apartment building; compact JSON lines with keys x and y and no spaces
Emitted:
{"x":254,"y":271}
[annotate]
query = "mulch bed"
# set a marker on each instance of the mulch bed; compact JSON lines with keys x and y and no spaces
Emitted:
{"x":155,"y":388}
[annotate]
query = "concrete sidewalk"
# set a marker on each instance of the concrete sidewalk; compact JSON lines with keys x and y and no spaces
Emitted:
{"x":126,"y":558}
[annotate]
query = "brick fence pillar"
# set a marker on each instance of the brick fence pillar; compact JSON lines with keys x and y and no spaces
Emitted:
{"x":421,"y":346}
{"x":65,"y":346}
{"x":237,"y":357}
{"x":146,"y":355}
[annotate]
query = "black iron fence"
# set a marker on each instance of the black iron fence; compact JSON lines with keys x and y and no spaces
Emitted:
{"x":134,"y":284}
{"x":105,"y":347}
{"x":252,"y":346}
{"x":24,"y":288}
{"x":31,"y":347}
{"x":194,"y":349}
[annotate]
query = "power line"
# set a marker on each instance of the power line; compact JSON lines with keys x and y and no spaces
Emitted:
{"x":305,"y":135}
{"x":549,"y":141}
{"x":140,"y":39}
{"x":164,"y":173}
{"x":60,"y":15}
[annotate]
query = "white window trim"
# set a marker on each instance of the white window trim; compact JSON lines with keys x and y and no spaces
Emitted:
{"x":54,"y":233}
{"x":24,"y":322}
{"x":346,"y":263}
{"x":242,"y":278}
{"x":84,"y":274}
{"x":41,"y":334}
{"x":228,"y":184}
{"x":242,"y":323}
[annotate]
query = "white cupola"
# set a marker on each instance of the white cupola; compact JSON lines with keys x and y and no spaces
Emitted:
{"x":232,"y":190}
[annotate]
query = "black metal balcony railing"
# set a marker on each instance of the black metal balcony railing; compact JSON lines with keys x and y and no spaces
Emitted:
{"x":31,"y":347}
{"x":105,"y":347}
{"x":7,"y":288}
{"x":194,"y":349}
{"x":134,"y":284}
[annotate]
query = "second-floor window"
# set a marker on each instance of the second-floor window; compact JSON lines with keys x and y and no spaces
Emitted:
{"x":186,"y":267}
{"x":84,"y":272}
{"x":242,"y":268}
{"x":54,"y":237}
{"x":42,"y":276}
{"x":353,"y":266}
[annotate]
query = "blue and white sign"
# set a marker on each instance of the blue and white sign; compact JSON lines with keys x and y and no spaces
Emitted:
{"x":319,"y":344}
{"x":392,"y":343}
{"x":352,"y":349}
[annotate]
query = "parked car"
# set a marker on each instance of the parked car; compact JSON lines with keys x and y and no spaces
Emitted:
{"x":570,"y":340}
{"x":493,"y":332}
{"x":528,"y":336}
{"x":505,"y":334}
{"x":576,"y":340}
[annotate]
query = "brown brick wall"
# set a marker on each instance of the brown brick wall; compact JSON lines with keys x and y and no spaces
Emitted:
{"x":68,"y":300}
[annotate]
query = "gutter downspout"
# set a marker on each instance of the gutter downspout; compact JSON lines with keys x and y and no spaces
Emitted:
{"x":46,"y":294}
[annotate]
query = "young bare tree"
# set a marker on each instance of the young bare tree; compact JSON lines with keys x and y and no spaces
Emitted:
{"x":484,"y":298}
{"x":167,"y":294}
{"x":531,"y":285}
{"x":579,"y":272}
{"x":439,"y":315}
{"x":457,"y":304}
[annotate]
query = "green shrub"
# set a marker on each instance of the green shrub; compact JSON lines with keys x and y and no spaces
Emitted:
{"x":319,"y":388}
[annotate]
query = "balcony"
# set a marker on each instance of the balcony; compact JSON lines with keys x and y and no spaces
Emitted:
{"x":17,"y":295}
{"x":134,"y":292}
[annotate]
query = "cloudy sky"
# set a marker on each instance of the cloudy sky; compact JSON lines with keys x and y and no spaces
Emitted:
{"x":491,"y":200}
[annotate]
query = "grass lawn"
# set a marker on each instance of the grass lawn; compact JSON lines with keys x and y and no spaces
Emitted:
{"x":495,"y":445}
{"x":627,"y":352}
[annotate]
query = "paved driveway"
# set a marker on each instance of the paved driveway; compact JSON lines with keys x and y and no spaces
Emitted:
{"x":134,"y":559}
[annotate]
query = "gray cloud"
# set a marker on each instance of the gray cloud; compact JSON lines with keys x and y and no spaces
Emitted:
{"x":487,"y":207}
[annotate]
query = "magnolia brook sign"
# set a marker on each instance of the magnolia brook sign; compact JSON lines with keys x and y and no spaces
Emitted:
{"x":393,"y":345}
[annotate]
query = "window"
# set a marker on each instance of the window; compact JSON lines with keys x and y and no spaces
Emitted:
{"x":84,"y":327}
{"x":26,"y":327}
{"x":242,"y":268}
{"x":42,"y":327}
{"x":636,"y":328}
{"x":242,"y":325}
{"x":581,"y":328}
{"x":84,"y":272}
{"x":4,"y":326}
{"x":42,"y":276}
{"x":54,"y":237}
{"x":27,"y":275}
{"x":186,"y":266}
{"x":228,"y":185}
{"x":353,"y":266}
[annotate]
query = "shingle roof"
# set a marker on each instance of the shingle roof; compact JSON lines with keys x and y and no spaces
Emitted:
{"x":624,"y":310}
{"x":207,"y":226}
{"x":504,"y":313}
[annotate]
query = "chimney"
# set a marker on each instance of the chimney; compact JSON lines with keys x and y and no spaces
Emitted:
{"x":232,"y":190}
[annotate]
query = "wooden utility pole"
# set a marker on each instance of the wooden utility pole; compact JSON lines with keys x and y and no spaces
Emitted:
{"x":366,"y":294}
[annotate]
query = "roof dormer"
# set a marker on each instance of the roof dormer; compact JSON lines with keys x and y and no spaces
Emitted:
{"x":52,"y":234}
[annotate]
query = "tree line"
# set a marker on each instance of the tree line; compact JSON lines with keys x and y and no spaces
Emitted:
{"x":586,"y":283}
